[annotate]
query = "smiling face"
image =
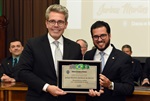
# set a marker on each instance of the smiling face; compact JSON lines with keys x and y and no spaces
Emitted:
{"x":16,"y":48}
{"x":101,"y":38}
{"x":56,"y":24}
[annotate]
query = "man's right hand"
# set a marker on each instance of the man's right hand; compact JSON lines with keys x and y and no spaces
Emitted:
{"x":55,"y":91}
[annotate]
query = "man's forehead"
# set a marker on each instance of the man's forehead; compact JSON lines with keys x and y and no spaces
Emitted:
{"x":15,"y":43}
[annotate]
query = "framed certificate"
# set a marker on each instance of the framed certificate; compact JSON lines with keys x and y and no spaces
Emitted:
{"x":78,"y":76}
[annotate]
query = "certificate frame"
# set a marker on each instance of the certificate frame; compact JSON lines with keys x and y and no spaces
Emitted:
{"x":66,"y":67}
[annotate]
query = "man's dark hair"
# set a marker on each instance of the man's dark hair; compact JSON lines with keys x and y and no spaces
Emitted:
{"x":15,"y":39}
{"x":127,"y":46}
{"x":98,"y":24}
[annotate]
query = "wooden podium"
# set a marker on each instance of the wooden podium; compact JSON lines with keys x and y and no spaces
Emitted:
{"x":3,"y":26}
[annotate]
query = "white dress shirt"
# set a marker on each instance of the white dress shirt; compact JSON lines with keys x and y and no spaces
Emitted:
{"x":53,"y":47}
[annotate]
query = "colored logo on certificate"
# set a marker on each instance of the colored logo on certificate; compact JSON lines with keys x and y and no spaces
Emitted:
{"x":82,"y":66}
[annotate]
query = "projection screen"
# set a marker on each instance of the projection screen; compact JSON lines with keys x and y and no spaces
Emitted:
{"x":129,"y":21}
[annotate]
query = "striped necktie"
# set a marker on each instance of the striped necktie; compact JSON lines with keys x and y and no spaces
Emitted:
{"x":102,"y":60}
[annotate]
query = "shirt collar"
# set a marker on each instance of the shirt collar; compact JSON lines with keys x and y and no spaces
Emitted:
{"x":107,"y":51}
{"x":51,"y":40}
{"x":16,"y":58}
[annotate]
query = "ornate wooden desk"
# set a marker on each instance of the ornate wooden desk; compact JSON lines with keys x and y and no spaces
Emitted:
{"x":13,"y":91}
{"x":17,"y":92}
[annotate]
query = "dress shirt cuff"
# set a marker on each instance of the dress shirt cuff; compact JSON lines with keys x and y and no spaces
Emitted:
{"x":112,"y":85}
{"x":146,"y":79}
{"x":45,"y":87}
{"x":1,"y":80}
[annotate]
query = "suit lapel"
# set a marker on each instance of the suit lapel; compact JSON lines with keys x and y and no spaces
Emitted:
{"x":47,"y":52}
{"x":66,"y":49}
{"x":91,"y":57}
{"x":9,"y":64}
{"x":110,"y":61}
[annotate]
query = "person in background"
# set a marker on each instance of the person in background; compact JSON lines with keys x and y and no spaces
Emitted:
{"x":38,"y":62}
{"x":116,"y":78}
{"x":83,"y":44}
{"x":8,"y":64}
{"x":146,"y":73}
{"x":137,"y":67}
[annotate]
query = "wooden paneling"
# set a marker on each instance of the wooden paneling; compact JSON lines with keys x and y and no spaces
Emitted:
{"x":3,"y":25}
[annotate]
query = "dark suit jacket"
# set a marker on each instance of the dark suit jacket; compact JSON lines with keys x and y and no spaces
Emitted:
{"x":37,"y":67}
{"x":6,"y":68}
{"x":137,"y":70}
{"x":146,"y":72}
{"x":118,"y":69}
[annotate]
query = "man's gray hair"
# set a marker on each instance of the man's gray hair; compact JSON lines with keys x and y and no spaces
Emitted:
{"x":57,"y":8}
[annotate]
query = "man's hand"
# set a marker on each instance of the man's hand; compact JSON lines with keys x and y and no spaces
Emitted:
{"x":145,"y":81}
{"x":95,"y":93}
{"x":55,"y":91}
{"x":6,"y":78}
{"x":104,"y":81}
{"x":7,"y":84}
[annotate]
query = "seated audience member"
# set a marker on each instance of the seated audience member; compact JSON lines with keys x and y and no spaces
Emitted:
{"x":83,"y":44}
{"x":146,"y":73}
{"x":8,"y":64}
{"x":137,"y":67}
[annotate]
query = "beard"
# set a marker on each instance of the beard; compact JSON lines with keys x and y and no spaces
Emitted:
{"x":102,"y":49}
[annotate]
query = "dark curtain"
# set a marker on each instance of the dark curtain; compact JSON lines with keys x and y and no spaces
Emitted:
{"x":26,"y":18}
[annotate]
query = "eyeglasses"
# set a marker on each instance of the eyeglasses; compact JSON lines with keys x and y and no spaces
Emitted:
{"x":53,"y":22}
{"x":102,"y":36}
